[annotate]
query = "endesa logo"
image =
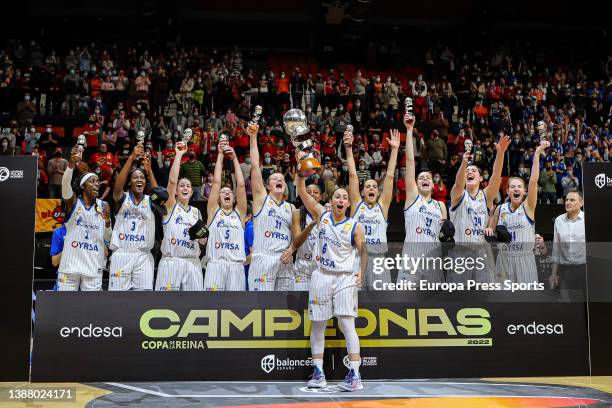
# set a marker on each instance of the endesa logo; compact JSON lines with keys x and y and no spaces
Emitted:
{"x":534,"y":328}
{"x":91,"y":331}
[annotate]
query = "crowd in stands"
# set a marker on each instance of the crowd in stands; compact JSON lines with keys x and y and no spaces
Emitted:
{"x":110,"y":93}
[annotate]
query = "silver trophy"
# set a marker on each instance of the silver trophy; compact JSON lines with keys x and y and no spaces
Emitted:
{"x":467,"y":146}
{"x":349,"y":128}
{"x":186,"y":138}
{"x":408,"y":106}
{"x":296,"y":127}
{"x":542,"y":130}
{"x":140,"y":137}
{"x":81,"y":142}
{"x":256,"y":115}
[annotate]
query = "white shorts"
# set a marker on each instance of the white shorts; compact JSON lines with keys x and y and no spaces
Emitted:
{"x":76,"y":281}
{"x":222,"y":275}
{"x":332,"y":294}
{"x":370,"y":277}
{"x":268,"y":273}
{"x":131,"y":270}
{"x":517,"y":267}
{"x":174,"y":274}
{"x":302,"y":270}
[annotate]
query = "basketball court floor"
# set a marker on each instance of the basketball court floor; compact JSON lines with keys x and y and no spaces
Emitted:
{"x":593,"y":392}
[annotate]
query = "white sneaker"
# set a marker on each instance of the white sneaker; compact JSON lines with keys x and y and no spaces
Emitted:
{"x":352,"y":382}
{"x":317,"y":379}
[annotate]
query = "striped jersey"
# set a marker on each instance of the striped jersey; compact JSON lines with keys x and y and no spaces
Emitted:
{"x":374,"y":226}
{"x":134,"y":225}
{"x":308,"y":250}
{"x":520,"y":226}
{"x":176,"y":242}
{"x":470,"y":217}
{"x":272,"y":227}
{"x":84,"y":244}
{"x":337,"y":252}
{"x":422,"y":220}
{"x":226,"y":237}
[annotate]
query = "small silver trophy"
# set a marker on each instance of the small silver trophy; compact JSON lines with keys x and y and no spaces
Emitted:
{"x":467,"y":146}
{"x":256,"y":115}
{"x":408,"y":106}
{"x":187,"y":133}
{"x":542,"y":130}
{"x":140,"y":137}
{"x":349,"y":128}
{"x":81,"y":142}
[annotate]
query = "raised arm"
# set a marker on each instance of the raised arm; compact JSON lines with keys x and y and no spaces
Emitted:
{"x":387,"y":192}
{"x":412,"y":190}
{"x":257,"y":185}
{"x":354,"y":195}
{"x":459,"y":186}
{"x":314,"y":208}
{"x":173,"y":177}
{"x":146,"y":163}
{"x":213,"y":197}
{"x":241,"y":198}
{"x":532,"y":194}
{"x":493,"y":188}
{"x":125,"y":170}
{"x":67,"y":194}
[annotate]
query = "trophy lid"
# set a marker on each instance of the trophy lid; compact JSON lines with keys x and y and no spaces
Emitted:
{"x":295,"y":123}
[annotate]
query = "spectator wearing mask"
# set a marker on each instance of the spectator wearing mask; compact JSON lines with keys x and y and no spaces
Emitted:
{"x":31,"y":139}
{"x":440,"y":123}
{"x":329,"y":175}
{"x":49,"y":140}
{"x":296,"y":87}
{"x":570,"y":182}
{"x":362,"y":172}
{"x":143,"y":124}
{"x":25,"y":111}
{"x":195,"y":172}
{"x":55,"y":171}
{"x":436,"y":153}
{"x":439,"y":191}
{"x":178,"y":122}
{"x":91,"y":130}
{"x":548,"y":185}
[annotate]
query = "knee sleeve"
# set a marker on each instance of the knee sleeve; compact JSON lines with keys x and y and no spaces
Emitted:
{"x":317,"y":337}
{"x":347,"y":326}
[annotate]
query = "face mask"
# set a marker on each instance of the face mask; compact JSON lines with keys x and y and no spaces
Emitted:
{"x":436,"y":179}
{"x":247,"y":160}
{"x":267,"y":160}
{"x":167,"y":163}
{"x":402,"y":173}
{"x":344,"y":168}
{"x":179,"y":113}
{"x":149,"y":146}
{"x":72,"y":71}
{"x":486,"y":177}
{"x":98,"y":171}
{"x":169,"y":145}
{"x":308,"y":110}
{"x":4,"y":144}
{"x":361,"y":167}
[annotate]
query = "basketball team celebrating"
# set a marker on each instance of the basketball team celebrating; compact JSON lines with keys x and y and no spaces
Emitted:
{"x":326,"y":249}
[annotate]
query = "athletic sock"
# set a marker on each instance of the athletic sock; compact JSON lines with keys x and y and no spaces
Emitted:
{"x":355,"y":366}
{"x":318,"y":362}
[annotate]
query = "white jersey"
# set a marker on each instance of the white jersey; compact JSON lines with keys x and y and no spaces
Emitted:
{"x":422,"y":220}
{"x":226,"y":237}
{"x":470,"y":217}
{"x":374,"y":226}
{"x":134,"y":225}
{"x":337,"y":251}
{"x":521,"y":228}
{"x":176,"y":242}
{"x":84,"y":244}
{"x":308,"y":250}
{"x":272,"y":227}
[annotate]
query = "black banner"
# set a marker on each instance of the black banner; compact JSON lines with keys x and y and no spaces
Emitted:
{"x":597,"y":188}
{"x":174,"y":336}
{"x":18,"y":176}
